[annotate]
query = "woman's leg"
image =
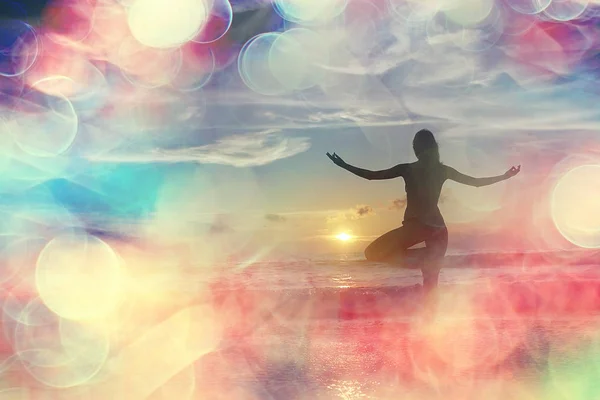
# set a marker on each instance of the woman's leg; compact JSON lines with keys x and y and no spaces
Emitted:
{"x":436,"y":244}
{"x":394,"y":243}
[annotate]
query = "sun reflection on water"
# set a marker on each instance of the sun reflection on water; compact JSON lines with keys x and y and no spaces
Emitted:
{"x":348,"y":390}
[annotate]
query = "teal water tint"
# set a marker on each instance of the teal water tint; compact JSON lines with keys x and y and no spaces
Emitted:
{"x":128,"y":190}
{"x":122,"y":191}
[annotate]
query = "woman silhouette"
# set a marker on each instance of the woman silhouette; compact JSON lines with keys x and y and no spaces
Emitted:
{"x":423,"y":221}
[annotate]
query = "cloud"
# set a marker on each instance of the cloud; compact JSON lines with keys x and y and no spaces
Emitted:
{"x":448,"y":91}
{"x":409,"y":75}
{"x":241,"y":150}
{"x":358,"y":212}
{"x":398,"y":204}
{"x":275,"y":218}
{"x":220,"y":226}
{"x":399,"y":75}
{"x":363,"y":211}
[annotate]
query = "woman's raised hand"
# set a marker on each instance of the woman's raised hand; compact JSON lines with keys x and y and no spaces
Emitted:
{"x":337,"y":160}
{"x":512,"y":172}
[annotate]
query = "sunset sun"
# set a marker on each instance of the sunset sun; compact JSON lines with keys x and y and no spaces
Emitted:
{"x":344,"y":237}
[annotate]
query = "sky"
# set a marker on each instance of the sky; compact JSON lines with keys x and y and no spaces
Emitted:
{"x":210,"y":128}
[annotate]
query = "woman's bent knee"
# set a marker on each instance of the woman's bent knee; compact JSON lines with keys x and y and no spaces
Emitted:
{"x":372,"y":255}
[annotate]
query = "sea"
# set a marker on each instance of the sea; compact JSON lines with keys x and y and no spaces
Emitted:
{"x":516,"y":325}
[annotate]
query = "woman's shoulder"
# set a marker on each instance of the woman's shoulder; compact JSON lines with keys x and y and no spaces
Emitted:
{"x":436,"y":167}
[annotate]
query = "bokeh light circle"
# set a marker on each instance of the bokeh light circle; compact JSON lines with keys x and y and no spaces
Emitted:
{"x":218,"y":22}
{"x":295,"y":57}
{"x":163,"y":23}
{"x":528,"y":6}
{"x":566,"y":10}
{"x":468,"y":12}
{"x":88,"y":91}
{"x":574,"y":206}
{"x":78,"y":276}
{"x":414,"y":11}
{"x":363,"y":23}
{"x":148,"y":67}
{"x":19,"y":47}
{"x":309,"y":12}
{"x":17,"y":255}
{"x":15,"y":301}
{"x":57,"y":352}
{"x":197,"y":68}
{"x":42,"y":125}
{"x":518,"y":23}
{"x":253,"y":65}
{"x":477,"y":37}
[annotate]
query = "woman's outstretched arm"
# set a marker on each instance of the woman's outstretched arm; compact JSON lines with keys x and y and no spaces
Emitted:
{"x":389,"y":173}
{"x":456,"y":176}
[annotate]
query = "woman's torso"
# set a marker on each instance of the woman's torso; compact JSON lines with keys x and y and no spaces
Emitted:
{"x":423,"y":184}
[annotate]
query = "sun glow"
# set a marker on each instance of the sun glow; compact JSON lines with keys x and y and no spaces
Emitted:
{"x":344,"y":236}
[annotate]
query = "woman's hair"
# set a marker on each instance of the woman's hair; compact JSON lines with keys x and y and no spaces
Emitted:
{"x":425,"y":147}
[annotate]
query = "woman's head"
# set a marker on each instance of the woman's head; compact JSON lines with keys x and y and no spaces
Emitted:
{"x":425,"y":146}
